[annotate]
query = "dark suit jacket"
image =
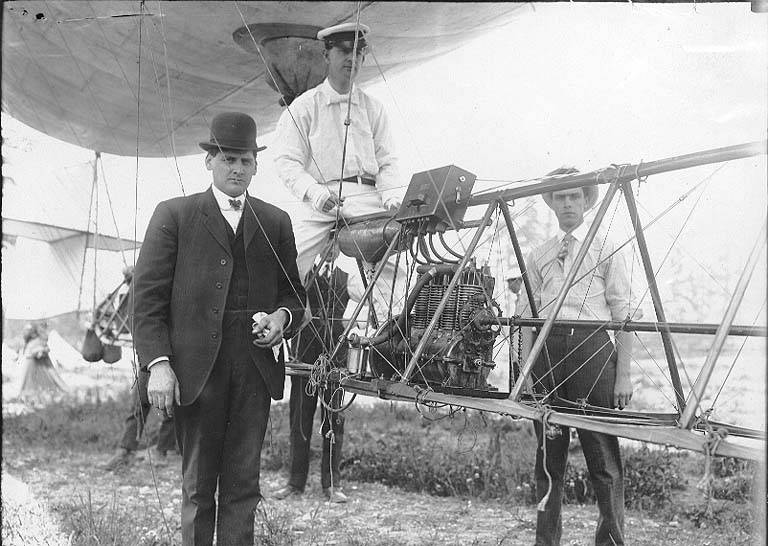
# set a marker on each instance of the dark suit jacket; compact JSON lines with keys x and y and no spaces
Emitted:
{"x":182,"y":279}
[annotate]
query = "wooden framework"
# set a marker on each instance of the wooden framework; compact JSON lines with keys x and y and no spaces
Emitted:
{"x":685,"y":430}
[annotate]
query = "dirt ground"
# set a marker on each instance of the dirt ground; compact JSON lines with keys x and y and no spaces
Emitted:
{"x":145,"y":505}
{"x":53,"y":497}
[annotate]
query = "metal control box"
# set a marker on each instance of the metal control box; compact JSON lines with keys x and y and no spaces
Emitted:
{"x":438,"y":195}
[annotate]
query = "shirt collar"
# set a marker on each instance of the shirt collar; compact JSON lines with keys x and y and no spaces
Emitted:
{"x":578,"y":234}
{"x":332,"y":97}
{"x":222,"y":199}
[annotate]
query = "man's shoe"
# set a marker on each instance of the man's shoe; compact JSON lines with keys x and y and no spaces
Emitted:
{"x":335,"y":495}
{"x":285,"y":492}
{"x":122,"y":457}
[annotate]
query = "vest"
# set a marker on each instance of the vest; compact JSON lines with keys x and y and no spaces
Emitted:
{"x":237,"y":297}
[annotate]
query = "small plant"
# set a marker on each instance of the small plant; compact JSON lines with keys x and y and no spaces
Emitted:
{"x":272,"y":528}
{"x":92,"y":524}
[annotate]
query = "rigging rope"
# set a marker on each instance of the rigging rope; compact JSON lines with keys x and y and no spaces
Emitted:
{"x":547,"y":432}
{"x":95,"y":229}
{"x":112,"y":212}
{"x":172,"y":129}
{"x":85,"y":248}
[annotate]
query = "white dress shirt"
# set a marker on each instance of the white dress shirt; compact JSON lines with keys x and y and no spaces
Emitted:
{"x":230,"y":214}
{"x":309,"y":142}
{"x":605,"y":293}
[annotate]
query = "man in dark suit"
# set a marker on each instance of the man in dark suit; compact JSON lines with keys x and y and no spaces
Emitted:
{"x":209,"y":261}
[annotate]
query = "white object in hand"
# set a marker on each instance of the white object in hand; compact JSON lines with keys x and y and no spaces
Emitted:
{"x":256,"y":320}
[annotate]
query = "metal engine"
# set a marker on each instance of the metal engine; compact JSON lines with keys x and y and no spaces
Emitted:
{"x":459,"y":354}
{"x":453,"y":337}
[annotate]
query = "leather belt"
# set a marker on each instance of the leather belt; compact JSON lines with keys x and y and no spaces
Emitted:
{"x":359,"y":180}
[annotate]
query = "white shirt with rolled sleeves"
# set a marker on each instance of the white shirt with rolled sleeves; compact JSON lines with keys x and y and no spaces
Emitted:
{"x":606,"y":293}
{"x":308,"y":148}
{"x":309,"y":142}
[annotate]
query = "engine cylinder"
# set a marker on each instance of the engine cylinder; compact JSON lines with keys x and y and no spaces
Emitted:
{"x":459,"y":354}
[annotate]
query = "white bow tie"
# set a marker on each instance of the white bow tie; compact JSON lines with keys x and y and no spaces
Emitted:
{"x":341,"y":99}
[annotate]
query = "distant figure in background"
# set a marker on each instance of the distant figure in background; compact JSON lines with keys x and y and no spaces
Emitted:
{"x":514,"y":283}
{"x":40,"y":381}
{"x":140,"y":406}
{"x":134,"y":428}
{"x":328,"y":297}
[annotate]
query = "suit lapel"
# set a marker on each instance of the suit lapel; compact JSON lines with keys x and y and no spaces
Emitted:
{"x":251,"y":222}
{"x":213,"y":220}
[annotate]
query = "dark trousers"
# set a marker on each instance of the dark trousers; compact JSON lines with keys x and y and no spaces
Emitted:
{"x":137,"y":418}
{"x":221,"y":434}
{"x":302,"y":415}
{"x":593,"y":382}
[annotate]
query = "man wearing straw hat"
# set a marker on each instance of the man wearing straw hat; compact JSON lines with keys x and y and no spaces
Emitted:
{"x":209,"y":263}
{"x":586,"y":368}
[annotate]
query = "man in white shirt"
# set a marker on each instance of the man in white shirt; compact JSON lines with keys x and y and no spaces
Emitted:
{"x":314,"y":137}
{"x":585,"y":367}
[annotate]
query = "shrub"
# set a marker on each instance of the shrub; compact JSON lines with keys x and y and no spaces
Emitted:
{"x":733,"y":479}
{"x":447,"y":457}
{"x":93,"y":426}
{"x":650,"y":477}
{"x":432,"y":457}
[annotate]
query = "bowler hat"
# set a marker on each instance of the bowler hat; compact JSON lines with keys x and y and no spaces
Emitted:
{"x":591,"y":193}
{"x":232,"y":131}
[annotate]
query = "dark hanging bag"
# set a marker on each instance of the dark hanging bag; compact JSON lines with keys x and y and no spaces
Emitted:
{"x":93,"y":349}
{"x":112,"y":353}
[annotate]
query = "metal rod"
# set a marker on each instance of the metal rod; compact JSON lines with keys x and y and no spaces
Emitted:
{"x":624,"y":173}
{"x":372,"y":319}
{"x":541,"y":338}
{"x":650,"y":277}
{"x":632,"y":326}
{"x":366,"y":294}
{"x":697,"y":392}
{"x":427,"y":336}
{"x":519,"y":256}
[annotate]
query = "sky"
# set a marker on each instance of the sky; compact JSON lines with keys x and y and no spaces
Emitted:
{"x":564,"y":84}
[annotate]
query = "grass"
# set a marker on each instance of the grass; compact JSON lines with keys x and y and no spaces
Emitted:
{"x":464,"y":454}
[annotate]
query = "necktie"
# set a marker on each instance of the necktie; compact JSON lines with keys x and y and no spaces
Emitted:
{"x":236,"y":203}
{"x":564,"y":247}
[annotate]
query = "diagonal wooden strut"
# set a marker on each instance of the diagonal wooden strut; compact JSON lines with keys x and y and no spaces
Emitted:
{"x":666,"y":335}
{"x":541,"y":338}
{"x":697,"y":392}
{"x":519,"y":256}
